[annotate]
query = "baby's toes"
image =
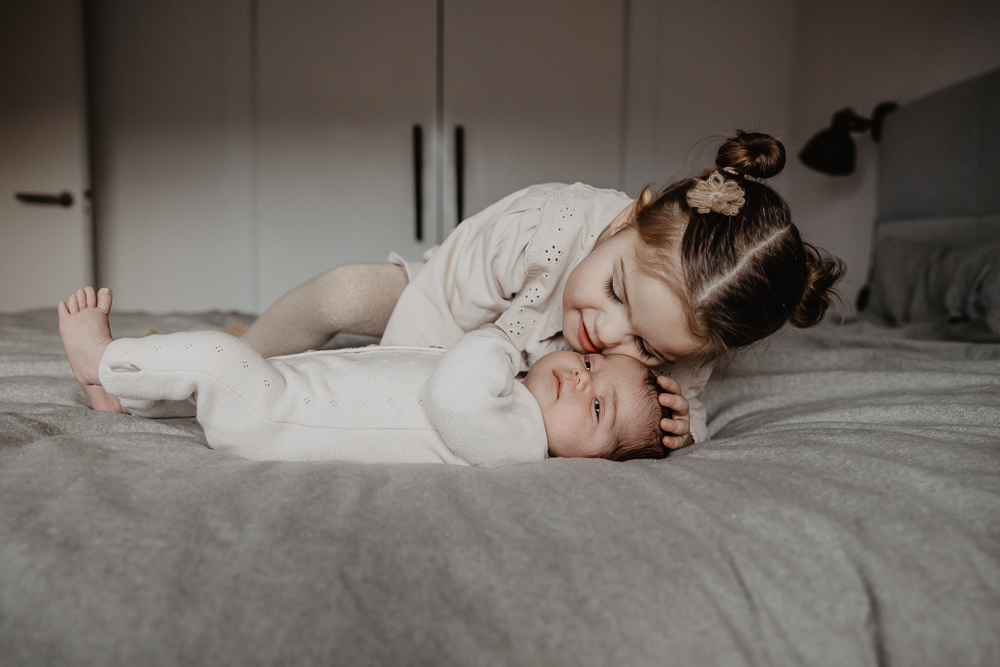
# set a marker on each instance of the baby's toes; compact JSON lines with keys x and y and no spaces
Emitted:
{"x":104,"y":300}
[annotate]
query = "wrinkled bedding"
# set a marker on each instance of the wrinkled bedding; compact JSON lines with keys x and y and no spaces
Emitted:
{"x":846,"y":512}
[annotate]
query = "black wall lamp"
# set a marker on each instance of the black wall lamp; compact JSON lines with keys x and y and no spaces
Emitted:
{"x":832,"y":151}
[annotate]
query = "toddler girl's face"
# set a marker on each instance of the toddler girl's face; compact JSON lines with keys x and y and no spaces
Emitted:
{"x":609,"y":306}
{"x":591,"y":403}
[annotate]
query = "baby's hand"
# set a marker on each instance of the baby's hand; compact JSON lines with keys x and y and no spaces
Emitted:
{"x":490,"y":325}
{"x":678,"y":429}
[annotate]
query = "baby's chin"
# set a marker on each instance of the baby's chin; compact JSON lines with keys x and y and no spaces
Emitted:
{"x":530,"y":382}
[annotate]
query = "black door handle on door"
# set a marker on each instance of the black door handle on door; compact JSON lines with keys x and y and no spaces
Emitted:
{"x":61,"y":199}
{"x":418,"y":180}
{"x":459,"y":173}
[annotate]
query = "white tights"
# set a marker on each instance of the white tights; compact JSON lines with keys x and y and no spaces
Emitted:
{"x":354,"y":298}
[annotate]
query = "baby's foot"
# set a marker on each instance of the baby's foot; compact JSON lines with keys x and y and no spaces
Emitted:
{"x":86,"y":333}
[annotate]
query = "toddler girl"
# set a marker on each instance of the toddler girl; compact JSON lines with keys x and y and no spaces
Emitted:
{"x":675,"y":279}
{"x":375,"y":404}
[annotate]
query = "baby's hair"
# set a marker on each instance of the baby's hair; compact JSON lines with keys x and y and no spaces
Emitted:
{"x":645,"y":439}
{"x":743,"y":276}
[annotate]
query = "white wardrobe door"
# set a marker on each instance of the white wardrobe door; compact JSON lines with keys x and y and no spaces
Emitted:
{"x":340,"y":86}
{"x":537,"y":87}
{"x":172,"y":153}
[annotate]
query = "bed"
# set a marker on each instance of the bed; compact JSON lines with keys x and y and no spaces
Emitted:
{"x":845,"y":512}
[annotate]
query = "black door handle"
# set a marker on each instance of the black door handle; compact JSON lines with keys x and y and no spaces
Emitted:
{"x":62,"y":199}
{"x":418,"y":180}
{"x":459,"y":173}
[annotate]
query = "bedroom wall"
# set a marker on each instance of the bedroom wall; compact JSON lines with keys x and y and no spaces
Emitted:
{"x":858,"y":53}
{"x":698,"y":70}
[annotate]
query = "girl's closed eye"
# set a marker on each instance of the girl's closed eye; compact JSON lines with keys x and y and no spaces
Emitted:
{"x":609,"y":287}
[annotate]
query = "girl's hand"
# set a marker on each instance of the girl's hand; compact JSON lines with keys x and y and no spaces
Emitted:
{"x":678,"y":429}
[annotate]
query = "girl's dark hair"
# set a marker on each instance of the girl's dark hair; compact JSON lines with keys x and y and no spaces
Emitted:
{"x":744,"y":275}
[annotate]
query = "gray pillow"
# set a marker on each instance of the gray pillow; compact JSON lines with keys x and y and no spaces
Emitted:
{"x":916,"y":281}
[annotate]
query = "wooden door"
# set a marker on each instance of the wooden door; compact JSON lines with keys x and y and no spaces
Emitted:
{"x":45,"y":248}
{"x":536,"y":86}
{"x":340,"y":87}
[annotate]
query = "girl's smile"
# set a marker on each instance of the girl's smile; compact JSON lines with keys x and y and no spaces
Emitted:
{"x":586,"y":343}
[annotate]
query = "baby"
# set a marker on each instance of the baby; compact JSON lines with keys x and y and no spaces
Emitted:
{"x":376,"y":404}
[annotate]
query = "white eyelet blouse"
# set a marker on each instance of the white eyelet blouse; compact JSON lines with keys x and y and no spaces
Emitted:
{"x":509,"y":264}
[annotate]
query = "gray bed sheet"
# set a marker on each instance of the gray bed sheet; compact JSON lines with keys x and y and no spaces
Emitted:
{"x":846,"y":512}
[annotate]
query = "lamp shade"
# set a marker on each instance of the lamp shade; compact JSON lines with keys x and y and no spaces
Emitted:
{"x":831,"y":151}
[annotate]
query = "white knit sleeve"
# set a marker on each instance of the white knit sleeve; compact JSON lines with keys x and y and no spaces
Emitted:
{"x":482,"y":412}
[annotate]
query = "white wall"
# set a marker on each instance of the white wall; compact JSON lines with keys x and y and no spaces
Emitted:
{"x":858,"y":53}
{"x":698,"y":71}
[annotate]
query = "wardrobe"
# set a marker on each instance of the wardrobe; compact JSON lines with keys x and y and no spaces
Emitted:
{"x":242,"y":146}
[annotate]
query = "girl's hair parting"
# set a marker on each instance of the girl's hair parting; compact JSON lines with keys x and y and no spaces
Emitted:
{"x":744,"y":272}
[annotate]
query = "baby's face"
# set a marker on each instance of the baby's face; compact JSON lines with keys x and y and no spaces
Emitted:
{"x":589,"y":402}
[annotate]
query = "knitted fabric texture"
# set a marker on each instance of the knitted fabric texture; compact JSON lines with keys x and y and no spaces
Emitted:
{"x":370,"y":405}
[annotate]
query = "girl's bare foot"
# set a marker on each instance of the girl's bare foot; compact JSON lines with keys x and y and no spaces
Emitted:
{"x":86,"y":333}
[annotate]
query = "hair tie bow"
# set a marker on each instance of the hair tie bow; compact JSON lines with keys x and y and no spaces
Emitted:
{"x":715,"y":193}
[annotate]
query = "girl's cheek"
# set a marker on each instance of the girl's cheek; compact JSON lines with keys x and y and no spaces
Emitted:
{"x":572,"y":289}
{"x":568,"y":292}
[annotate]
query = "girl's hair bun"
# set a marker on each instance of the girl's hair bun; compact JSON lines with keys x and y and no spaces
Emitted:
{"x":824,"y":272}
{"x":751,"y":154}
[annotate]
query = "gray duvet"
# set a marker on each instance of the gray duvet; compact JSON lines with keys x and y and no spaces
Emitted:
{"x":846,"y":512}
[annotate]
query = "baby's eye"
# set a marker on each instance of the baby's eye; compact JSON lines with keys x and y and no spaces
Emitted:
{"x":639,"y":343}
{"x":586,"y":363}
{"x":597,"y":408}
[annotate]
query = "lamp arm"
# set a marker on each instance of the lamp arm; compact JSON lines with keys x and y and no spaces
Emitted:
{"x":848,"y":120}
{"x":878,"y":118}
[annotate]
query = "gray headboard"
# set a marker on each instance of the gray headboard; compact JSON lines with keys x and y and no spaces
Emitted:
{"x":939,"y":185}
{"x":940,"y":155}
{"x":939,"y":165}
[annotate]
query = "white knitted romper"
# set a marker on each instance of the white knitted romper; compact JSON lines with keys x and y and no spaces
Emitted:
{"x":363,"y":404}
